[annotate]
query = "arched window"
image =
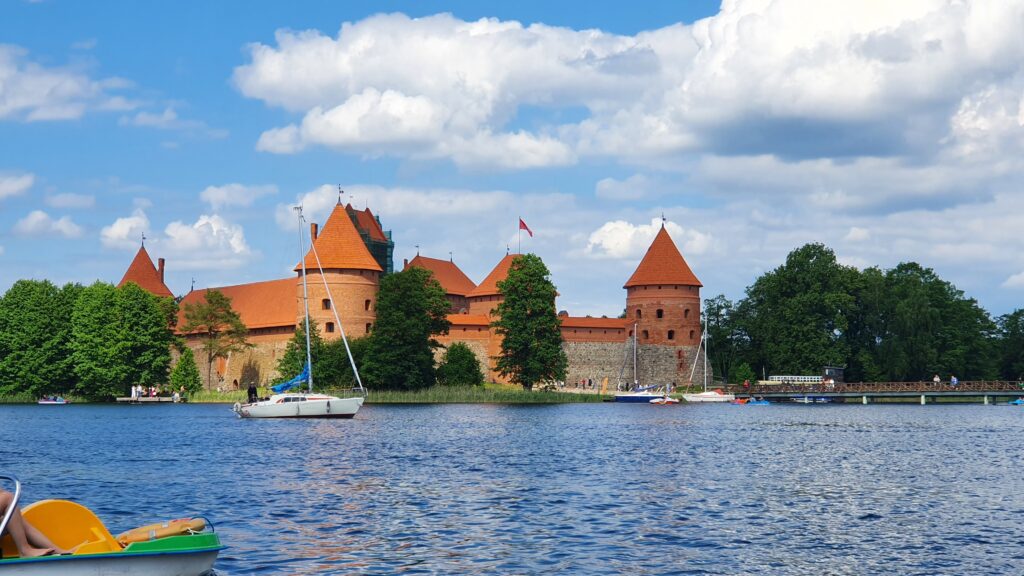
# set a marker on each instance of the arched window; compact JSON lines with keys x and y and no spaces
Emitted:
{"x":366,"y":305}
{"x":671,"y":334}
{"x":329,"y":327}
{"x":646,"y":336}
{"x":326,"y":303}
{"x":686,"y":313}
{"x":691,"y":335}
{"x":639,"y":313}
{"x":659,"y":313}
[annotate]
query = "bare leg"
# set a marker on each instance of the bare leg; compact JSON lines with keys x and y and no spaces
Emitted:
{"x":39,"y":540}
{"x":16,"y":528}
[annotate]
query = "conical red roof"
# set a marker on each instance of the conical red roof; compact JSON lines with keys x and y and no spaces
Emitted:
{"x":489,"y":287}
{"x":142,"y":272}
{"x":663,"y":264}
{"x":339,"y":246}
{"x":451,"y":278}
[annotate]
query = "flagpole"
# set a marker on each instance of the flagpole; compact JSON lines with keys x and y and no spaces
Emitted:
{"x":519,"y":234}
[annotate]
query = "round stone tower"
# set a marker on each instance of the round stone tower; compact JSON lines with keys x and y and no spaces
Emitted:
{"x":351,"y":272}
{"x":663,"y":305}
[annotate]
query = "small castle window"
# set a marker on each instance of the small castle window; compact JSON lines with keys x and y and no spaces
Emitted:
{"x":326,"y":303}
{"x":368,"y":326}
{"x":366,"y":305}
{"x":659,"y":313}
{"x":329,"y":326}
{"x":686,"y":313}
{"x":646,"y":336}
{"x":671,"y":334}
{"x":639,"y":313}
{"x":691,"y":335}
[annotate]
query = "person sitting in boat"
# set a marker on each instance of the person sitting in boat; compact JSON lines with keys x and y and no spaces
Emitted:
{"x":29,"y":541}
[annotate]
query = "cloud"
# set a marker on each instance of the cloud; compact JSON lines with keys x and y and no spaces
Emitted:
{"x":636,"y":187}
{"x":210,"y":243}
{"x":32,"y":92}
{"x":234,"y":194}
{"x":619,"y":239}
{"x":39,"y":223}
{"x":69,"y":200}
{"x":126,"y":232}
{"x":857,"y":234}
{"x":169,"y":120}
{"x":15,"y":184}
{"x":1015,"y":281}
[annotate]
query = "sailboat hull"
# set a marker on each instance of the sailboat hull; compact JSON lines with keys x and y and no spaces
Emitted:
{"x":301,"y":406}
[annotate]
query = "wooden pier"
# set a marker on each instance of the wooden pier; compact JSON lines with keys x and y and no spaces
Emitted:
{"x":147,"y":399}
{"x":983,"y":391}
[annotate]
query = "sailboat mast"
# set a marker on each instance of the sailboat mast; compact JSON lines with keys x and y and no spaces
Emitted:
{"x":305,"y":305}
{"x":703,"y":337}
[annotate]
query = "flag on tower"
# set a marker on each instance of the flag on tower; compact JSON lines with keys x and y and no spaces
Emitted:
{"x":523,"y":226}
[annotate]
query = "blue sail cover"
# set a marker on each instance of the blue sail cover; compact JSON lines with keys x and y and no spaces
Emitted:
{"x":285,"y":386}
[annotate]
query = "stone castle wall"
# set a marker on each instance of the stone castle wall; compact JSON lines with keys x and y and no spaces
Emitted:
{"x":656,"y":364}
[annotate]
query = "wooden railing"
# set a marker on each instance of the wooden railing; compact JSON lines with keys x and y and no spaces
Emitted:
{"x":990,"y":386}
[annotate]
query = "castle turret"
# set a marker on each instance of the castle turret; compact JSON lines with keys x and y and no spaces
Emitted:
{"x":663,"y":301}
{"x":352,"y":274}
{"x":142,"y":272}
{"x":486,"y":296}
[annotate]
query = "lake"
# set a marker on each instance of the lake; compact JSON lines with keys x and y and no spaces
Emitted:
{"x":577,"y":488}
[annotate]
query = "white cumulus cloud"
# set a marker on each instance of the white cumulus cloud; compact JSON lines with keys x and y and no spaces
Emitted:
{"x":211,"y":243}
{"x":14,"y":184}
{"x":70,"y":200}
{"x":234,"y":194}
{"x":126,"y":232}
{"x":619,"y":239}
{"x":39,"y":223}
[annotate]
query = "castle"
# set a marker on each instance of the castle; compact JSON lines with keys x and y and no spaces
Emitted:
{"x":657,"y":339}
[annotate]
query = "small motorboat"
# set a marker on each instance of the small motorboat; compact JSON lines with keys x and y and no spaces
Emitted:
{"x":1017,"y":402}
{"x":665,"y":401}
{"x":53,"y":401}
{"x":709,"y":396}
{"x":758,"y":402}
{"x":175,"y":548}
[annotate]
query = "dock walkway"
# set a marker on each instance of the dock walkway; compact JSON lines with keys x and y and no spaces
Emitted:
{"x":989,"y":391}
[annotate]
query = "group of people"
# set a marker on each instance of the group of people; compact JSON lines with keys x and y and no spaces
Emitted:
{"x":952,"y":380}
{"x":142,"y":391}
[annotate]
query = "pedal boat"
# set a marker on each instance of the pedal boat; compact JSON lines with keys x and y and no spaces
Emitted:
{"x":182,"y":552}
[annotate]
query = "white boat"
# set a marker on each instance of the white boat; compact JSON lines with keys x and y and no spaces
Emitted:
{"x":301,"y":406}
{"x":53,"y":401}
{"x":709,"y":396}
{"x":665,"y":401}
{"x":307,"y":404}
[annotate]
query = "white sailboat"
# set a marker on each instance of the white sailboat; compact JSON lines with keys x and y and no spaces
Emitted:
{"x":706,"y":395}
{"x":286,"y":404}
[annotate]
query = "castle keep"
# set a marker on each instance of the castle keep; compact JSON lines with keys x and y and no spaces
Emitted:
{"x":661,"y":329}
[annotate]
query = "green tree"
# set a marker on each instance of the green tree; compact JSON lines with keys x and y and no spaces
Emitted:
{"x":145,"y":337}
{"x":185,"y":373}
{"x":531,"y":338}
{"x":294,"y":358}
{"x":797,"y":315}
{"x":727,"y":343}
{"x":337,"y":370}
{"x":219,"y":327}
{"x":460,"y":367}
{"x":743,"y":372}
{"x":35,"y":338}
{"x":95,"y":353}
{"x":1011,"y":345}
{"x":411,"y":308}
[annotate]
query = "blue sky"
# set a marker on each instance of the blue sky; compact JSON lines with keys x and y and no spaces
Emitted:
{"x":888,"y":132}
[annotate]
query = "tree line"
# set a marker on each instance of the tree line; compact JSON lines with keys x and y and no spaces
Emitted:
{"x":900,"y":324}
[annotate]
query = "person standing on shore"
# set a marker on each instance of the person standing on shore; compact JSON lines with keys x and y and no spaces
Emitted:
{"x":936,"y":379}
{"x":953,"y":381}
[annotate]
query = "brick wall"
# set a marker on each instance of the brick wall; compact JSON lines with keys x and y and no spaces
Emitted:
{"x":355,"y":295}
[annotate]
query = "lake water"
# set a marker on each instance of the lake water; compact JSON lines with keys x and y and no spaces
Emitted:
{"x":583,"y":489}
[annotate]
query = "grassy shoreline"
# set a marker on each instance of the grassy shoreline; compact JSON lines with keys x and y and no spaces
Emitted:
{"x":487,"y":394}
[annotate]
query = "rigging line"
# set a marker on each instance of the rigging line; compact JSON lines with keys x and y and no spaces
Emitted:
{"x":334,"y":309}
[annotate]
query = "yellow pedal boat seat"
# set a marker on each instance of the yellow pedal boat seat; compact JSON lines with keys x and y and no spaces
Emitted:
{"x":68,"y":525}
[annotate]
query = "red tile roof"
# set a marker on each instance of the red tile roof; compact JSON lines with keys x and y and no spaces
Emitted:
{"x":339,"y":245}
{"x":260,"y":304}
{"x":367,"y":222}
{"x":489,"y":287}
{"x":469,"y":320}
{"x":142,"y":272}
{"x":608,"y":323}
{"x":663,"y":264}
{"x":452,"y":279}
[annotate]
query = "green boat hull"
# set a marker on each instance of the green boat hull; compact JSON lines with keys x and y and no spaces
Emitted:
{"x":189,"y":555}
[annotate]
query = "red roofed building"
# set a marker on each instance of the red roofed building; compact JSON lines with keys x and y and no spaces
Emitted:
{"x":142,"y":272}
{"x":456,"y":284}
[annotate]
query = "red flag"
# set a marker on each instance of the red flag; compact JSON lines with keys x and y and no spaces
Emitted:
{"x":523,"y":226}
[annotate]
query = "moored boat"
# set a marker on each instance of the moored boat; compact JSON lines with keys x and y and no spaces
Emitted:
{"x":665,"y":401}
{"x":182,"y":549}
{"x":709,"y":396}
{"x":1017,"y":402}
{"x":53,"y":401}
